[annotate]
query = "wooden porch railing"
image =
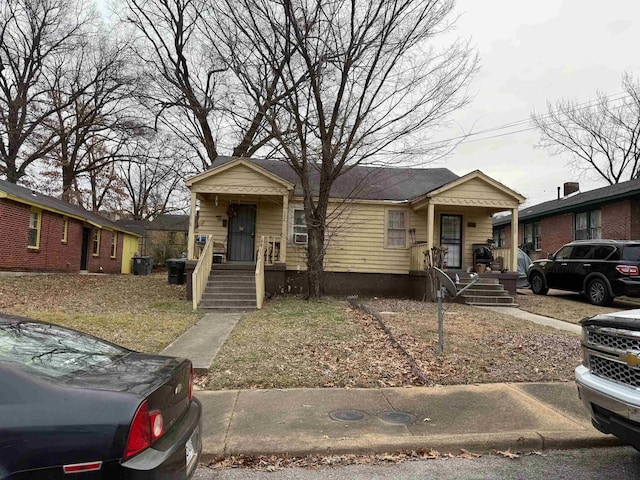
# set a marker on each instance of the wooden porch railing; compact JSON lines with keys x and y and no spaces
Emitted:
{"x":504,"y":253}
{"x":200,"y":274}
{"x":260,"y":261}
{"x":271,"y":249}
{"x":417,"y":256}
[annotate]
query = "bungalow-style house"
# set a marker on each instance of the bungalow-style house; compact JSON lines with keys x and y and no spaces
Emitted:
{"x":245,"y":212}
{"x":45,"y":234}
{"x":611,"y":212}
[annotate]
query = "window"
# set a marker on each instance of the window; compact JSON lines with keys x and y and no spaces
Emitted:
{"x":532,"y":236}
{"x":114,"y":244}
{"x":299,"y":227}
{"x":588,"y":226}
{"x":96,"y":242}
{"x":33,"y":233}
{"x":65,"y":229}
{"x":396,"y":229}
{"x":500,"y":237}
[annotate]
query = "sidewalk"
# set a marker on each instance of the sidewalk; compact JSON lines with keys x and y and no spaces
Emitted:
{"x":300,"y":422}
{"x":476,"y":418}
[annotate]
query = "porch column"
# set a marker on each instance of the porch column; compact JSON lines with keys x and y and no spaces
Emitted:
{"x":192,"y":228}
{"x":285,"y":228}
{"x":430,"y":229}
{"x":514,"y":239}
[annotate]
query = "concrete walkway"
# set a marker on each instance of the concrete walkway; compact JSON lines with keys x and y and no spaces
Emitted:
{"x":202,"y":342}
{"x":532,"y":317}
{"x":477,"y":418}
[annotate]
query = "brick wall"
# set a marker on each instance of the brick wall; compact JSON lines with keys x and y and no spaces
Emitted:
{"x":616,"y":220}
{"x":53,"y":255}
{"x":555,"y":232}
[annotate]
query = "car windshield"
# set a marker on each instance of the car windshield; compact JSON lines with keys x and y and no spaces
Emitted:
{"x":52,"y":350}
{"x":631,"y":253}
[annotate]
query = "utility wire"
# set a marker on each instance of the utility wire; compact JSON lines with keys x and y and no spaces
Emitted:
{"x":466,"y":138}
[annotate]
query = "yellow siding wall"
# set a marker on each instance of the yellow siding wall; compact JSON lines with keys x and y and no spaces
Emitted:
{"x":129,"y":249}
{"x":476,"y":188}
{"x":240,"y":176}
{"x":356,"y":241}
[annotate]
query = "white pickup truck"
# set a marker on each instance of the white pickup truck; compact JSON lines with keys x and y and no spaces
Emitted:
{"x":609,"y":378}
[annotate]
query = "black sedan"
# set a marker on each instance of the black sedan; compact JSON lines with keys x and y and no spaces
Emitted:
{"x":75,"y":406}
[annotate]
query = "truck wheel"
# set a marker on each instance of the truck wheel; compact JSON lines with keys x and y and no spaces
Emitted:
{"x":537,"y":284}
{"x":598,"y":293}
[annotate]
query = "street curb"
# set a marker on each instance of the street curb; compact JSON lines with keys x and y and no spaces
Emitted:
{"x":526,"y":441}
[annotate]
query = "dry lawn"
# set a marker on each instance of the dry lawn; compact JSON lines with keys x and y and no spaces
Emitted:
{"x":139,"y":312}
{"x":293,"y":343}
{"x":568,"y":306}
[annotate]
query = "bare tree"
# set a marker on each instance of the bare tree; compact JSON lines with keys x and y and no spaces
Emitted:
{"x":361,"y":83}
{"x":94,"y":115}
{"x":602,"y":137}
{"x":152,"y":178}
{"x":35,"y":38}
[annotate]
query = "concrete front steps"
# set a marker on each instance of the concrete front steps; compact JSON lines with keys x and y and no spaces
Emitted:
{"x":487,"y":292}
{"x":230,"y":289}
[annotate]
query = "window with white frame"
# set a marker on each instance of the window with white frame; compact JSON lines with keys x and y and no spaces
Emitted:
{"x":96,"y":242}
{"x":299,"y":227}
{"x":396,"y":229}
{"x":588,"y":225}
{"x":33,"y":232}
{"x":500,"y":237}
{"x":532,"y":237}
{"x":114,"y":244}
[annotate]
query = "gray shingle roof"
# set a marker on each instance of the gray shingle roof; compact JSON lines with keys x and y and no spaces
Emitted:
{"x":365,"y":183}
{"x":169,"y":223}
{"x":50,"y":203}
{"x":575,"y":202}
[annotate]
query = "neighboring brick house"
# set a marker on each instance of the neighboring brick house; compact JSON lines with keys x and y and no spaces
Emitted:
{"x":45,"y":234}
{"x":611,"y":212}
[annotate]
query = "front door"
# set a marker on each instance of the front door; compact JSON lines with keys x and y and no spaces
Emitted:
{"x":451,"y":238}
{"x":241,"y":234}
{"x":86,"y":235}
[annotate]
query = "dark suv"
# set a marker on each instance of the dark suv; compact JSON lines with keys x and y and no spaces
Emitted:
{"x":601,"y":269}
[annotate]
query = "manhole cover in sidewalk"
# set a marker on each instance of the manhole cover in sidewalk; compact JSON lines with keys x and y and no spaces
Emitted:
{"x":348,"y":415}
{"x":397,"y":418}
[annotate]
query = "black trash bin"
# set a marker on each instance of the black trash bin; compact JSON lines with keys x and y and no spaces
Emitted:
{"x":175,"y":271}
{"x":142,"y":265}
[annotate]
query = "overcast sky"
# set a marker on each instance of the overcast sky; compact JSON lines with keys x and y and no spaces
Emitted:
{"x":531,"y":51}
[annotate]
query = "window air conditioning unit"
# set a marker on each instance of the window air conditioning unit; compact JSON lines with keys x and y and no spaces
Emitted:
{"x":300,"y":238}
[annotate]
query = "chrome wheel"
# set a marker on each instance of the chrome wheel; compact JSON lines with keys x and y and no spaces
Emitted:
{"x":598,"y":293}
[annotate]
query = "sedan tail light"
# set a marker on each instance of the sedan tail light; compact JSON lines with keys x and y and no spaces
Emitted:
{"x":627,"y":269}
{"x":191,"y":382}
{"x":146,"y":428}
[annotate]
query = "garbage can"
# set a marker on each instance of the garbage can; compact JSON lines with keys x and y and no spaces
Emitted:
{"x":142,"y":265}
{"x":175,"y":270}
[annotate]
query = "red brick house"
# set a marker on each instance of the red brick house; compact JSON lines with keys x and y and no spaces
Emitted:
{"x":45,"y":234}
{"x":611,"y":212}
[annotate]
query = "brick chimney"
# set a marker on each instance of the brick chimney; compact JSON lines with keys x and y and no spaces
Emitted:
{"x":571,"y":187}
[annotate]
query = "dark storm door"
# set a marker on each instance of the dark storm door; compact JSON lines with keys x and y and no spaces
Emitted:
{"x":451,"y":237}
{"x":242,"y":233}
{"x":86,"y":235}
